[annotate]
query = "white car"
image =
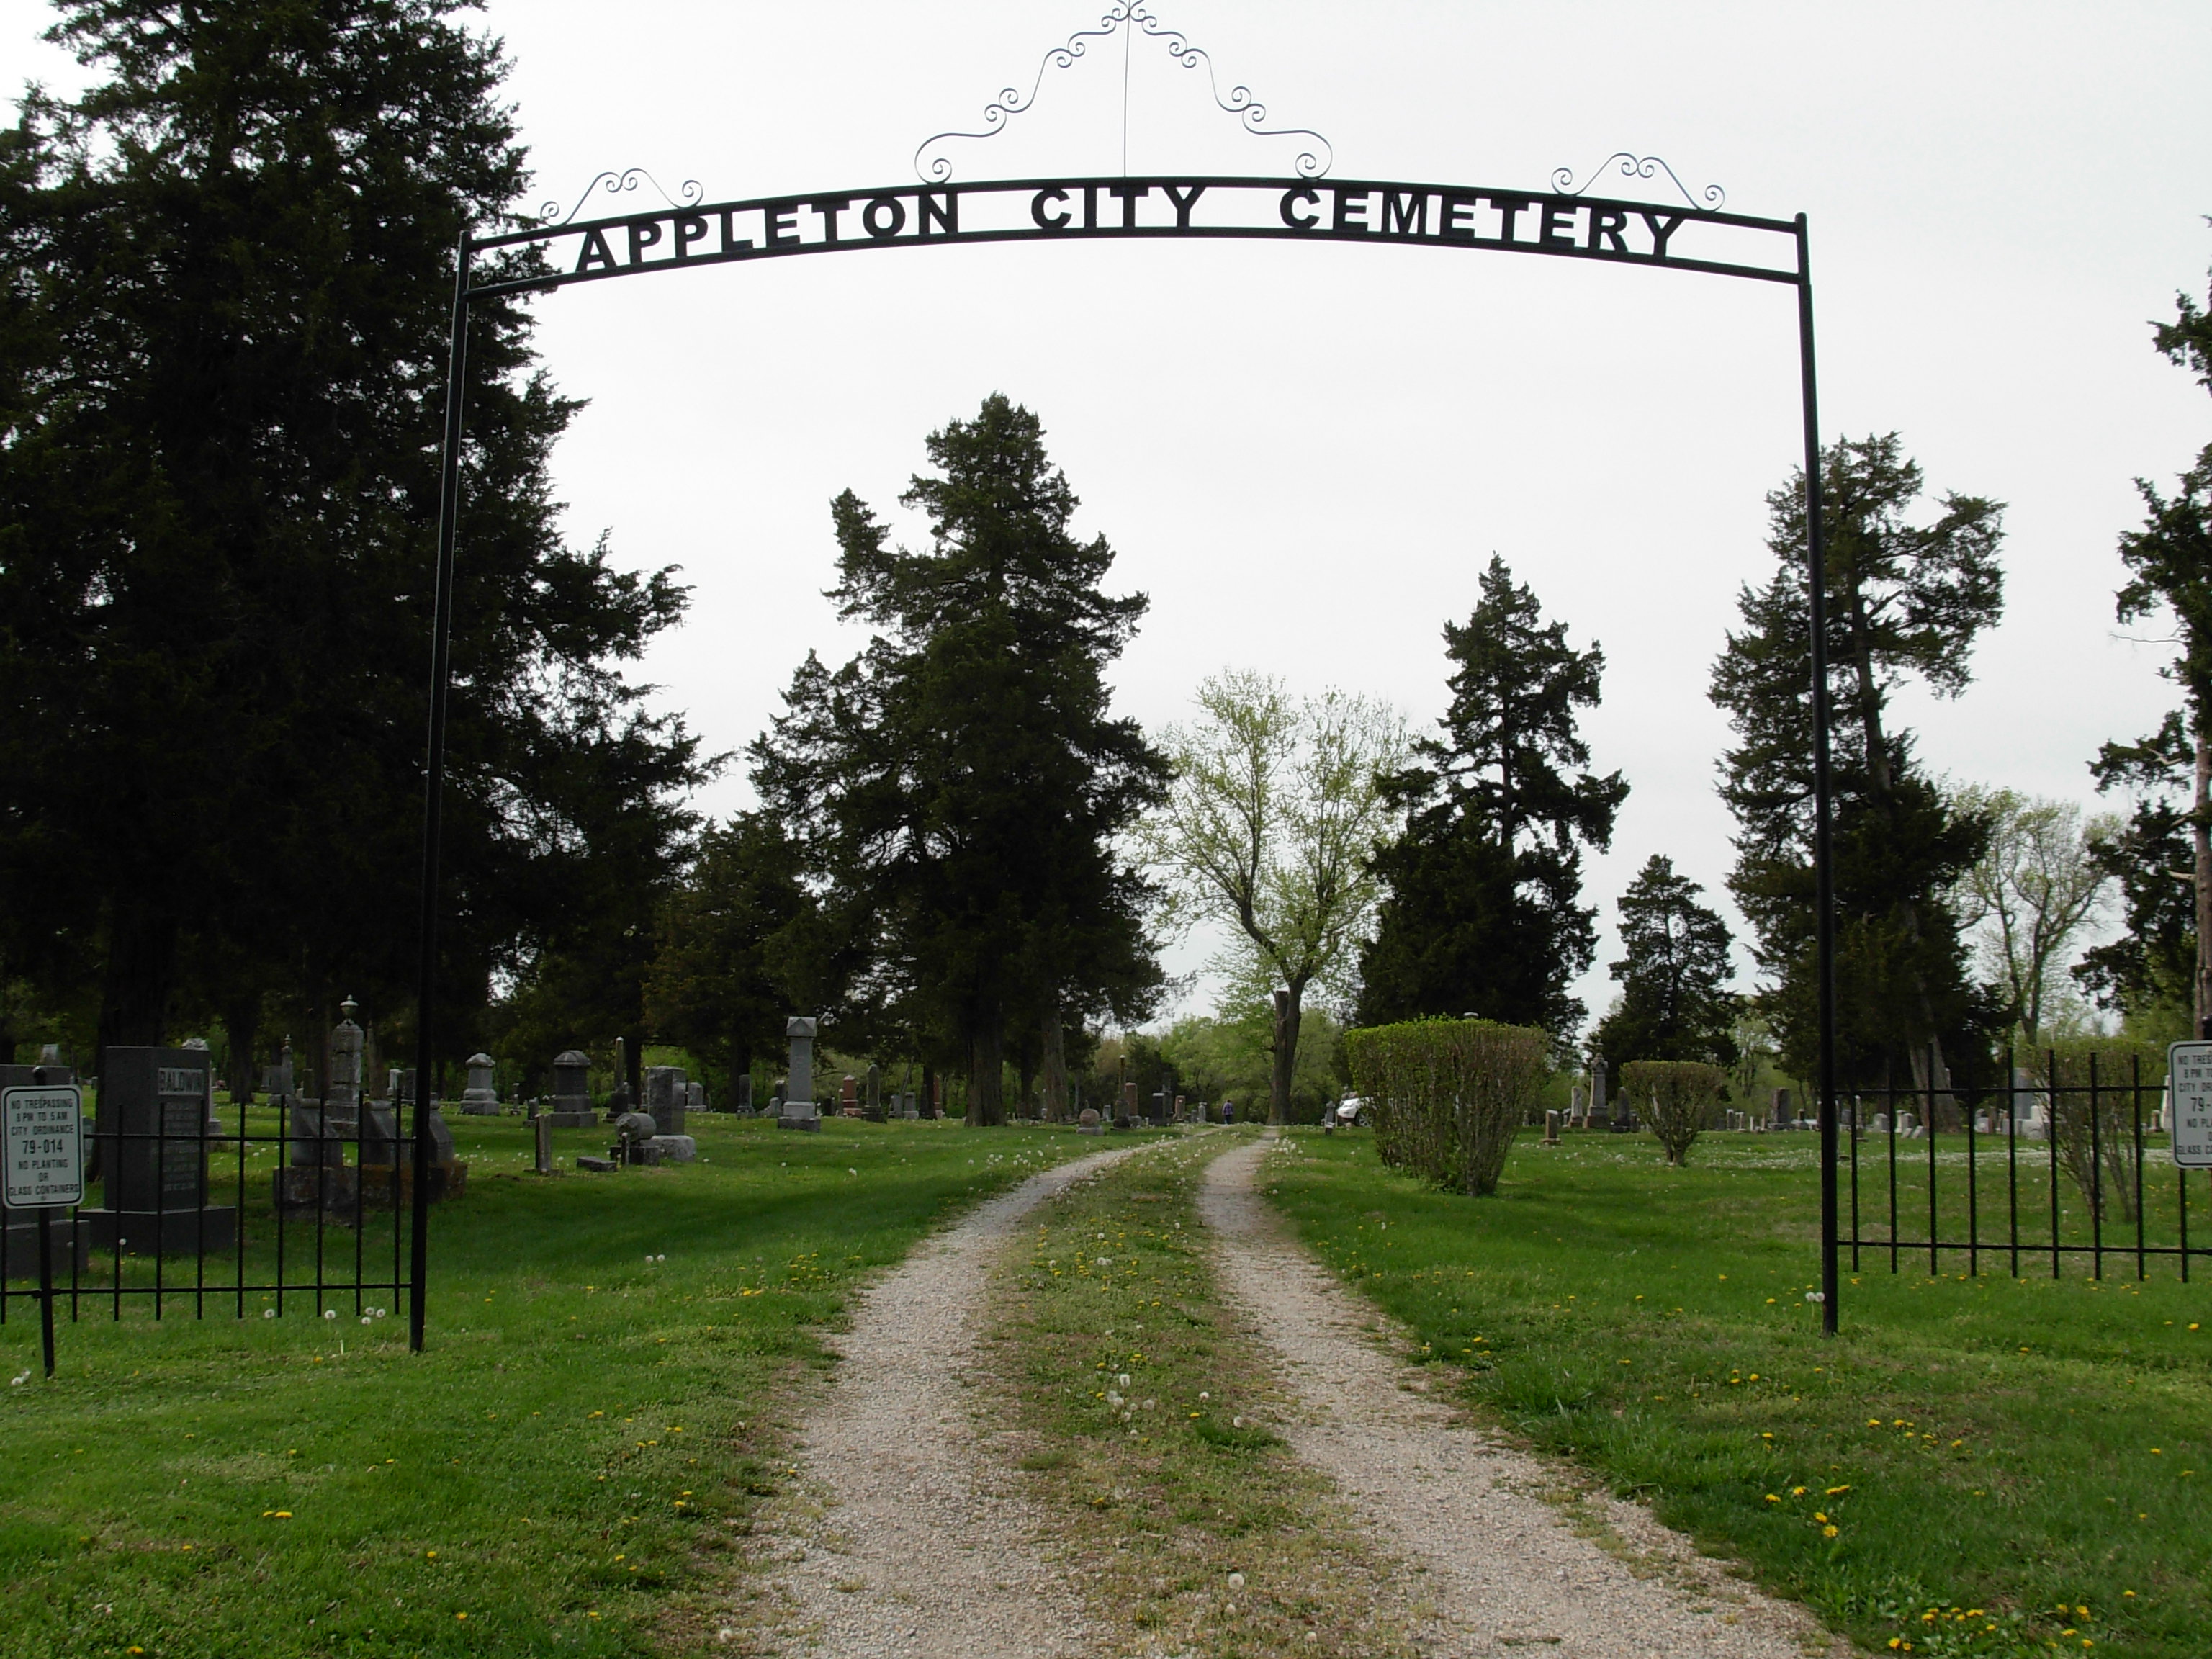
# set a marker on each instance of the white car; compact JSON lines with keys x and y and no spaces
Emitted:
{"x":1350,"y":1110}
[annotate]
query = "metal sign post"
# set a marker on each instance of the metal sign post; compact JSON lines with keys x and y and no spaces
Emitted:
{"x":44,"y":1130}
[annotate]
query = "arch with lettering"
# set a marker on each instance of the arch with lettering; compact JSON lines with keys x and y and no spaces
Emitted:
{"x":1555,"y":224}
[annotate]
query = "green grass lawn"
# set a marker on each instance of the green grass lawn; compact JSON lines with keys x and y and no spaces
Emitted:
{"x":611,"y":1361}
{"x":2026,"y":1460}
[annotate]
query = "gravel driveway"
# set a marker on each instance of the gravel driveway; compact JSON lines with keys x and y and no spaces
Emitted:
{"x":1500,"y":1569}
{"x":906,"y":1539}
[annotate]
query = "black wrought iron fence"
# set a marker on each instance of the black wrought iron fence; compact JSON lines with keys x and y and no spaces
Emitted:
{"x":257,"y":1211}
{"x":2068,"y":1156}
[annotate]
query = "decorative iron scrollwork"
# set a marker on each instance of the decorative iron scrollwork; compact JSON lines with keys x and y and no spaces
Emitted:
{"x":1640,"y":166}
{"x":690,"y":193}
{"x":934,"y":167}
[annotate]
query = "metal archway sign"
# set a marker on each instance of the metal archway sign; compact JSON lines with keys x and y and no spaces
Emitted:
{"x":1562,"y":223}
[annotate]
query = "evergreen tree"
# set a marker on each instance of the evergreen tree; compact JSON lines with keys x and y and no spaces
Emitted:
{"x":1904,"y":600}
{"x":733,"y":963}
{"x":231,"y":274}
{"x":1673,"y":1003}
{"x":2164,"y":963}
{"x":958,"y":787}
{"x":1483,"y":914}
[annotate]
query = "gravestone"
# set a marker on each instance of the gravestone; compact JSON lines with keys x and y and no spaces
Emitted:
{"x":388,"y":1158}
{"x":635,"y":1133}
{"x":799,"y":1111}
{"x":848,"y":1095}
{"x":1577,"y":1103}
{"x":1597,"y":1085}
{"x":314,"y":1175}
{"x":909,"y":1106}
{"x":619,"y":1102}
{"x":543,"y":1127}
{"x":342,"y":1099}
{"x":666,"y":1097}
{"x":480,"y":1098}
{"x":745,"y":1095}
{"x":1780,"y":1114}
{"x":198,"y":1046}
{"x":1177,"y":1116}
{"x":571,"y":1090}
{"x":276,"y":1080}
{"x":695,"y":1097}
{"x":1551,"y":1128}
{"x":875,"y":1100}
{"x":150,"y":1131}
{"x":1086,"y":1121}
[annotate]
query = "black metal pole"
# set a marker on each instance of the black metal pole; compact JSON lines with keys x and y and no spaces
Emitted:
{"x":46,"y":1286}
{"x":1824,"y":874}
{"x":434,"y":789}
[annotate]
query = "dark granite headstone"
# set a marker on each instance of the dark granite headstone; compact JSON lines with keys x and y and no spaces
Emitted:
{"x":150,"y":1131}
{"x":571,"y":1090}
{"x":667,"y":1097}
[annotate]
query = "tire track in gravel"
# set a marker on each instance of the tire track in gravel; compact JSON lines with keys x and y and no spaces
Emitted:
{"x":1504,"y":1571}
{"x":905,"y":1538}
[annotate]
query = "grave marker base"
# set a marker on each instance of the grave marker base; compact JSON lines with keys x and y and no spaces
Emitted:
{"x":164,"y":1232}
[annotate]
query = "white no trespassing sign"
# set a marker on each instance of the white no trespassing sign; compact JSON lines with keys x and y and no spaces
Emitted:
{"x":43,"y":1146}
{"x":2189,"y":1085}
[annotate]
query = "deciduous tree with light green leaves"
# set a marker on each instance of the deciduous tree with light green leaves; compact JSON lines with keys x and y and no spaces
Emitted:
{"x":2026,"y":900}
{"x":1270,"y":830}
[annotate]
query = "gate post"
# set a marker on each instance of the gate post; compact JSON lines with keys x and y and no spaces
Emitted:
{"x":434,"y":790}
{"x":1824,"y":874}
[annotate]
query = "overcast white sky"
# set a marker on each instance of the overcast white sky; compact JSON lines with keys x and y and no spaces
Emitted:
{"x":1305,"y":454}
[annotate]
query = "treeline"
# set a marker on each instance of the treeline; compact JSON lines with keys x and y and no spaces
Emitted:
{"x":222,"y":344}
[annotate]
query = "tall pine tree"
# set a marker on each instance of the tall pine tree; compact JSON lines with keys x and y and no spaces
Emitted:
{"x":1906,"y":600}
{"x":1674,"y":1003}
{"x":231,"y":266}
{"x":959,"y":787}
{"x":2161,"y":970}
{"x":1483,"y":914}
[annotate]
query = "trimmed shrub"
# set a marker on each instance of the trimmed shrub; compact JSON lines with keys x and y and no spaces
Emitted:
{"x":1678,"y":1098}
{"x":1447,"y":1094}
{"x":2085,"y":1134}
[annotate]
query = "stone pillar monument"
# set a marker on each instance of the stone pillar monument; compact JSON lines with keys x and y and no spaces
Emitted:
{"x":480,"y":1098}
{"x":571,"y":1090}
{"x":799,"y":1111}
{"x":1597,"y":1087}
{"x":342,"y":1100}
